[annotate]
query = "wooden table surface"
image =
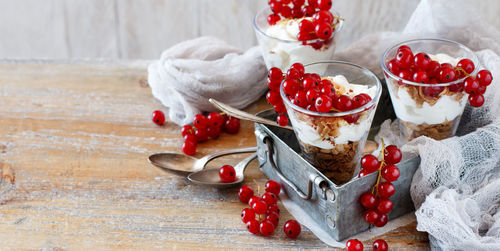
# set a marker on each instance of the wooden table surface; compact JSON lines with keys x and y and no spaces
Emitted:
{"x":76,"y":137}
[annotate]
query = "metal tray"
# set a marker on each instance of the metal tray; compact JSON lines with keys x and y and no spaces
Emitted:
{"x":335,"y":208}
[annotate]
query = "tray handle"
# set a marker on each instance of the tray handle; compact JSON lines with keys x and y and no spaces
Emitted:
{"x":305,"y":196}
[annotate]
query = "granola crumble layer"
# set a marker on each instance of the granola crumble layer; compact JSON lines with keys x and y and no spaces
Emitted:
{"x":436,"y":131}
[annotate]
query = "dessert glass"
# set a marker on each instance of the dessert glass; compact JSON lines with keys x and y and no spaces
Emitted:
{"x":327,"y":140}
{"x":283,"y":53}
{"x":422,"y":115}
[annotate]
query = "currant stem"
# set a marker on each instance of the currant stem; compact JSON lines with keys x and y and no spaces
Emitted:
{"x":463,"y":71}
{"x":382,"y":163}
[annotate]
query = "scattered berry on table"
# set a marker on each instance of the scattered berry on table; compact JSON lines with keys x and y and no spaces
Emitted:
{"x":158,"y":117}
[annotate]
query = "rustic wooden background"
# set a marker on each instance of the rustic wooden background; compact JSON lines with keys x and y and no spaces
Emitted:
{"x":77,"y":137}
{"x":132,"y":29}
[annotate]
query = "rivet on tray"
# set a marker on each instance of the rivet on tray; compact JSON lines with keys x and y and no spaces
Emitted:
{"x":330,"y":195}
{"x":330,"y":222}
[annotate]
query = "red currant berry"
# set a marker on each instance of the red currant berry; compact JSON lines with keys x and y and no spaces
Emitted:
{"x":273,"y":85}
{"x":292,"y":229}
{"x":404,"y":58}
{"x":253,"y":199}
{"x":393,"y":66}
{"x":476,"y":100}
{"x":266,"y":228}
{"x":380,"y":245}
{"x":312,"y":3}
{"x":386,"y":189}
{"x":213,"y":132}
{"x":304,"y":36}
{"x":420,"y":76}
{"x":282,"y":120}
{"x":390,"y":173}
{"x":309,"y":83}
{"x":227,"y":174}
{"x":432,"y":91}
{"x":290,"y":86}
{"x":405,"y":74}
{"x":433,"y":69}
{"x":279,"y":108}
{"x":481,"y":89}
{"x":370,"y":163}
{"x":351,"y":118}
{"x":301,"y":99}
{"x":368,"y":200}
{"x":323,"y":31}
{"x":215,"y":119}
{"x":324,"y":4}
{"x":260,"y":207}
{"x":158,"y":117}
{"x":200,"y":121}
{"x":382,"y":220}
{"x":273,"y":97}
{"x":384,"y":206}
{"x":253,"y":226}
{"x":322,"y":16}
{"x":404,"y":47}
{"x":371,"y":216}
{"x":276,"y":7}
{"x":190,"y":137}
{"x":245,"y":193}
{"x":286,"y":11}
{"x":311,"y":96}
{"x":447,"y":74}
{"x":189,"y":148}
{"x":299,"y":67}
{"x":344,"y":103}
{"x":484,"y":77}
{"x":187,"y":129}
{"x":392,"y":155}
{"x":328,"y":91}
{"x":273,"y":218}
{"x":354,"y":245}
{"x":247,"y":214}
{"x":273,"y":187}
{"x":270,"y":198}
{"x":201,"y":134}
{"x":275,"y":74}
{"x":323,"y":103}
{"x":293,"y":74}
{"x":422,"y":61}
{"x":363,"y":173}
{"x":308,"y":11}
{"x":273,"y":209}
{"x":359,"y":100}
{"x":232,"y":125}
{"x":471,"y":85}
{"x":467,"y":65}
{"x":298,"y":2}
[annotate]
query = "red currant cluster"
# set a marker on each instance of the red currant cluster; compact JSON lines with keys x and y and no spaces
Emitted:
{"x":420,"y":68}
{"x":309,"y":91}
{"x":207,"y":127}
{"x":377,"y":201}
{"x":356,"y":245}
{"x":158,"y":117}
{"x":263,"y":214}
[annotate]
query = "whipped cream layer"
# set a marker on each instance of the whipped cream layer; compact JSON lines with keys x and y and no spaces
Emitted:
{"x":447,"y":108}
{"x":286,"y":49}
{"x":347,"y":132}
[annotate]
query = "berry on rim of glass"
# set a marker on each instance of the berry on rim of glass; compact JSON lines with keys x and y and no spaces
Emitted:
{"x":393,"y":66}
{"x":447,"y":74}
{"x":324,"y":4}
{"x":260,"y":207}
{"x":380,"y":245}
{"x":390,"y":173}
{"x":286,"y":11}
{"x":363,"y":173}
{"x":293,"y":74}
{"x":292,"y":229}
{"x":382,"y":220}
{"x":433,"y":69}
{"x":299,"y":67}
{"x":273,"y":187}
{"x":467,"y":65}
{"x":476,"y":100}
{"x":270,"y":198}
{"x":323,"y":103}
{"x":323,"y":16}
{"x":422,"y":61}
{"x":370,"y":163}
{"x":386,"y":189}
{"x":187,"y":129}
{"x":471,"y":85}
{"x":158,"y":117}
{"x":247,"y":214}
{"x":266,"y":228}
{"x":245,"y":193}
{"x":354,"y":245}
{"x":360,"y":100}
{"x":273,"y":218}
{"x":227,"y":174}
{"x":371,"y":216}
{"x":253,"y":226}
{"x":282,"y":120}
{"x":275,"y":74}
{"x":404,"y":58}
{"x":232,"y":125}
{"x":384,"y":206}
{"x":392,"y":154}
{"x":308,"y":10}
{"x":484,"y":77}
{"x":290,"y":87}
{"x":404,"y":47}
{"x":323,"y":30}
{"x":368,"y":200}
{"x":301,"y":99}
{"x":420,"y":76}
{"x":343,"y":103}
{"x":189,"y":148}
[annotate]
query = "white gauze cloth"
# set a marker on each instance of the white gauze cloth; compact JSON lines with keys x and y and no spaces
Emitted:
{"x":456,"y":189}
{"x":191,"y":72}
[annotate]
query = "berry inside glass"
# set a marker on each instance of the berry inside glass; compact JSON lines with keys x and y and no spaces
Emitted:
{"x":430,"y":81}
{"x":306,"y":34}
{"x":333,"y":120}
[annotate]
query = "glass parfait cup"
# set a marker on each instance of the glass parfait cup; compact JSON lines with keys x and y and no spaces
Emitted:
{"x":432,"y":110}
{"x":282,"y":53}
{"x":333,"y":142}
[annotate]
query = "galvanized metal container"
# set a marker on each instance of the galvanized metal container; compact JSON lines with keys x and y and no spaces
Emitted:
{"x":335,"y":208}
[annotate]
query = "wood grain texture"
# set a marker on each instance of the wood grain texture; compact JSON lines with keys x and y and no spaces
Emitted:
{"x":77,"y":137}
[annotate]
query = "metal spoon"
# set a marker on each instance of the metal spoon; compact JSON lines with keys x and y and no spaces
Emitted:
{"x":210,"y":177}
{"x":172,"y":161}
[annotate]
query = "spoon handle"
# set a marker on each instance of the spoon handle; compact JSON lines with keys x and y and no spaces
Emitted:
{"x":244,"y":115}
{"x":200,"y":164}
{"x":242,"y":165}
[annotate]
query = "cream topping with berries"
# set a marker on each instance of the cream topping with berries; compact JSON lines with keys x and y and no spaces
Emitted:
{"x":308,"y":132}
{"x":286,"y":29}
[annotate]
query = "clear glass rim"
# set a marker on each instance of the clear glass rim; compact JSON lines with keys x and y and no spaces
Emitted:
{"x":256,"y":27}
{"x":474,"y":59}
{"x":374,"y":101}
